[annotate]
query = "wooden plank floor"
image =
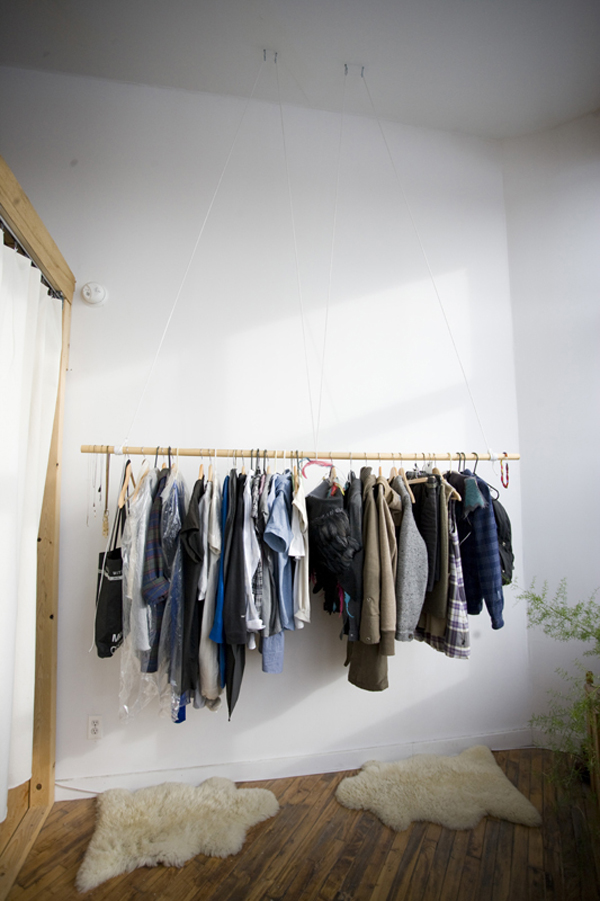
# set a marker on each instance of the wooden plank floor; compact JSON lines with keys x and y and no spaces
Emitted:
{"x":316,"y":850}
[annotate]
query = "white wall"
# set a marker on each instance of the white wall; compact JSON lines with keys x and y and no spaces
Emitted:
{"x":552,"y":182}
{"x":123,"y":177}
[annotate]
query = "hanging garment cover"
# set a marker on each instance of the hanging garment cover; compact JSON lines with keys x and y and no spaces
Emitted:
{"x":210,"y":683}
{"x":155,"y":586}
{"x":479,"y":551}
{"x":258,"y":483}
{"x":170,"y":650}
{"x":136,"y":687}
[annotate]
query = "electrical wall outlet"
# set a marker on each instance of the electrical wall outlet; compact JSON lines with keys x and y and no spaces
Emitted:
{"x":94,"y":727}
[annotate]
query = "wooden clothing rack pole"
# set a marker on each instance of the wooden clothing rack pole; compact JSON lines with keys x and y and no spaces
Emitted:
{"x":357,"y":456}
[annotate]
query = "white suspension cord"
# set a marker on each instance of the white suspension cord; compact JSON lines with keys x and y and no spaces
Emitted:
{"x":193,"y":254}
{"x":426,"y":259}
{"x":333,"y":236}
{"x":295,"y":242}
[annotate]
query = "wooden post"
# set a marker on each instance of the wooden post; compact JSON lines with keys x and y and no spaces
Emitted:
{"x":26,"y":821}
{"x":591,"y":691}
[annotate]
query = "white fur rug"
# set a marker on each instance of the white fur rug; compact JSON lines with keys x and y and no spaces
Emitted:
{"x":169,"y":824}
{"x":455,"y":792}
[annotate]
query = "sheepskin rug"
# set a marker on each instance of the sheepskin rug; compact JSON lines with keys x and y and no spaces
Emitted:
{"x":455,"y":792}
{"x":169,"y":824}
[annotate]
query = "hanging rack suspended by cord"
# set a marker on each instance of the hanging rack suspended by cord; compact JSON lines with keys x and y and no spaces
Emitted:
{"x":396,"y":456}
{"x":271,"y":56}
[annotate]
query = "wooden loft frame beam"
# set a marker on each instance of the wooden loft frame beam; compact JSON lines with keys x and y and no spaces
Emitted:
{"x":29,"y":806}
{"x":17,"y":211}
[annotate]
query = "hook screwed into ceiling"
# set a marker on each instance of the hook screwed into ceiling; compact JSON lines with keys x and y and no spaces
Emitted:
{"x":354,"y":69}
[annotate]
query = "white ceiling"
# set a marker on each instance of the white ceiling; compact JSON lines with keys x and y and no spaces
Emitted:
{"x":495,"y":68}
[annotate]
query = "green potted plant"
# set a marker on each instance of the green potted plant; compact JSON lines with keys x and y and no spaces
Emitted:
{"x":571,"y":722}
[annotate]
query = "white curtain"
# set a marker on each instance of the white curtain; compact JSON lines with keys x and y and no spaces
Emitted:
{"x":30,"y":349}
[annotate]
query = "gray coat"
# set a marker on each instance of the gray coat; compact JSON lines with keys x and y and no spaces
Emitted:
{"x":411,"y":569}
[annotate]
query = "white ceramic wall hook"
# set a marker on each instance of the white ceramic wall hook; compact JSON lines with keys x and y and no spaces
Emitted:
{"x":94,"y":294}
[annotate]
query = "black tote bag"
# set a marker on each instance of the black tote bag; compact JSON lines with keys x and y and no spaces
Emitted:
{"x":108,"y":630}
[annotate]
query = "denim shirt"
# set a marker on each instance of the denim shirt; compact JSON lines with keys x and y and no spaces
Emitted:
{"x":278,"y":535}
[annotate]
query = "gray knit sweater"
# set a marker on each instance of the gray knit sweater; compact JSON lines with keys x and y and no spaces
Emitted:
{"x":411,"y":571}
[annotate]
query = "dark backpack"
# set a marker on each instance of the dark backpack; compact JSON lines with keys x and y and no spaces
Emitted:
{"x":507,"y":558}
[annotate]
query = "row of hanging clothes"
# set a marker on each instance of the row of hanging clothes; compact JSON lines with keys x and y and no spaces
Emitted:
{"x":408,"y":557}
{"x":210,"y":574}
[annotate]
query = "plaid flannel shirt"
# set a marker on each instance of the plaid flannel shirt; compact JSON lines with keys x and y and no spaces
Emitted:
{"x":455,"y":641}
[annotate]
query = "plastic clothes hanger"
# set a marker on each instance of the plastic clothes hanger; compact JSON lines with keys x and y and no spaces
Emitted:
{"x":504,"y":474}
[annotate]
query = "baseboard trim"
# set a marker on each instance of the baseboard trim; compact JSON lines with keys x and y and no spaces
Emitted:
{"x":68,"y":789}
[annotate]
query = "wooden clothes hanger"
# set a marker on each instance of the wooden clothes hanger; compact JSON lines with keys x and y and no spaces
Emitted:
{"x":126,"y":479}
{"x":422,"y":479}
{"x":455,"y":495}
{"x":402,"y":474}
